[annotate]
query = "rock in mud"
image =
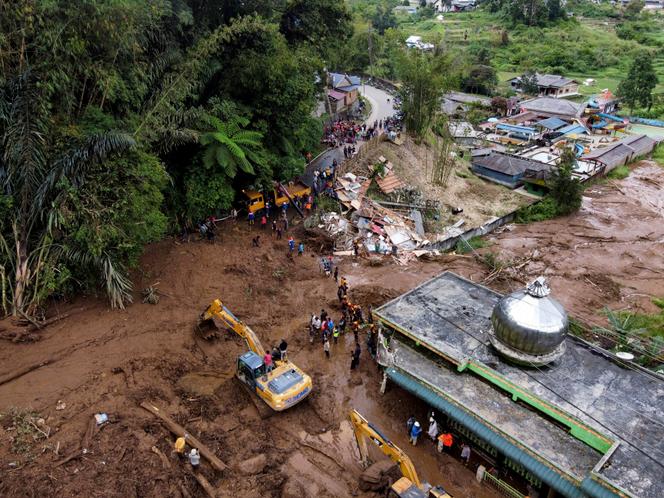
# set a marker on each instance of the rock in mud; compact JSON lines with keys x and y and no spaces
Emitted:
{"x":254,"y":465}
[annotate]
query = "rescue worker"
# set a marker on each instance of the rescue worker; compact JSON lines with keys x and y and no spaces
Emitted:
{"x":410,"y":423}
{"x":283,"y":349}
{"x":180,"y":445}
{"x":267,"y":360}
{"x":250,"y":218}
{"x":445,"y":442}
{"x":433,"y":429}
{"x":415,"y":433}
{"x":355,"y":357}
{"x":465,"y":453}
{"x":194,"y":458}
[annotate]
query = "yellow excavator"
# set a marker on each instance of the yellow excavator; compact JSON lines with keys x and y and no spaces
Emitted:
{"x":283,"y":386}
{"x":408,"y":486}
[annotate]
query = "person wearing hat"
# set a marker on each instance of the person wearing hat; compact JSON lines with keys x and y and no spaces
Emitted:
{"x":415,"y":433}
{"x":180,"y":445}
{"x":194,"y":458}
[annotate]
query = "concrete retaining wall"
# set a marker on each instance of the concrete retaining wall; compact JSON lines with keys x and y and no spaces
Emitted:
{"x":450,"y":243}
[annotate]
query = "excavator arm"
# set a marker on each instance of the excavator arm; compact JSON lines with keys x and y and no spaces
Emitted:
{"x":217,"y":310}
{"x":365,"y":430}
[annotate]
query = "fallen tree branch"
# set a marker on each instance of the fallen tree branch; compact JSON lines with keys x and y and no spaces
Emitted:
{"x":165,"y":463}
{"x":25,"y":370}
{"x":180,"y":431}
{"x":205,"y":484}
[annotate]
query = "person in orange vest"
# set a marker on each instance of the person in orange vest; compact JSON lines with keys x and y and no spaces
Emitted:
{"x":445,"y":442}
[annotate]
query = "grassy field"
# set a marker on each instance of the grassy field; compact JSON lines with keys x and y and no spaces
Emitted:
{"x":583,"y":48}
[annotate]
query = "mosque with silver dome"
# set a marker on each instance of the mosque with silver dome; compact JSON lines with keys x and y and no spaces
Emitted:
{"x":545,"y":409}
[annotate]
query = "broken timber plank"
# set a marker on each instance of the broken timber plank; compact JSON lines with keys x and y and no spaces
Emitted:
{"x":179,"y":431}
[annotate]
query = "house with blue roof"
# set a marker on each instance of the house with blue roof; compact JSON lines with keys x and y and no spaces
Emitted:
{"x":343,"y":92}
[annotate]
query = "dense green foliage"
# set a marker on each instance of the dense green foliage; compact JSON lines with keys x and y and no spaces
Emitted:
{"x":120,"y":118}
{"x":565,"y":190}
{"x":636,"y":89}
{"x":423,"y":83}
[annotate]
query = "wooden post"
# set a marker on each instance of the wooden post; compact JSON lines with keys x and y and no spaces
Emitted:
{"x":179,"y":431}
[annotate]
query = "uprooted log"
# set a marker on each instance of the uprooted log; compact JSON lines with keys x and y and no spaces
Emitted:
{"x":205,"y":484}
{"x":179,"y":431}
{"x":25,"y":370}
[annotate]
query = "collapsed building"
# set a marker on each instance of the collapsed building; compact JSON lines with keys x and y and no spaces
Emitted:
{"x":569,"y":418}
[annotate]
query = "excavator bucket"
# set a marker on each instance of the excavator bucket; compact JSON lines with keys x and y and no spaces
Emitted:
{"x":206,"y":329}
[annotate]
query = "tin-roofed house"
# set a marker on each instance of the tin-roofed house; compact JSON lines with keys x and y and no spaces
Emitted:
{"x":505,"y":169}
{"x":548,"y":107}
{"x":621,"y":152}
{"x":549,"y":85}
{"x":343,"y":92}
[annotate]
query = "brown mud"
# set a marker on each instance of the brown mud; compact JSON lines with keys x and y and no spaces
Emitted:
{"x":610,"y":253}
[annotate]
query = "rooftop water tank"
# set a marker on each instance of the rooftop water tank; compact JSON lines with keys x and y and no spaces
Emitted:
{"x":529,"y":326}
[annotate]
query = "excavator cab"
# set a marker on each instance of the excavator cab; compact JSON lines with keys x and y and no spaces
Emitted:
{"x":404,"y":488}
{"x":250,"y":367}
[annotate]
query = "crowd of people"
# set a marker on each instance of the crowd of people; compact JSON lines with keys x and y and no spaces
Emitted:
{"x":323,"y":327}
{"x":443,"y":440}
{"x":341,"y":132}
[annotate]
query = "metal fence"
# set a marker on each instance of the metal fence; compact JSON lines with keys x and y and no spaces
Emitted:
{"x":501,"y":486}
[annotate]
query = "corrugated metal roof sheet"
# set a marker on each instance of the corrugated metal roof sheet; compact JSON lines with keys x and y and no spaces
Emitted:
{"x":336,"y":95}
{"x":507,"y":164}
{"x":551,"y":123}
{"x":551,"y":105}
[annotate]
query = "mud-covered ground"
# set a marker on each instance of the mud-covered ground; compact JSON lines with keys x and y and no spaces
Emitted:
{"x":101,"y":360}
{"x":109,"y":361}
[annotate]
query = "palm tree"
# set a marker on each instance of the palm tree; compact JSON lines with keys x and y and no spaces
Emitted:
{"x":232,"y":147}
{"x":32,"y":179}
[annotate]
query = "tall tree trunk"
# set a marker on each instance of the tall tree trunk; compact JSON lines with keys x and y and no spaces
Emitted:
{"x":22,"y":275}
{"x":21,"y":278}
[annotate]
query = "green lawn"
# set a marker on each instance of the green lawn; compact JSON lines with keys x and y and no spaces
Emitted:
{"x":587,"y":48}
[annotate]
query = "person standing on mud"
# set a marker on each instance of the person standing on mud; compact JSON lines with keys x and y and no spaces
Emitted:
{"x":409,"y":424}
{"x":250,"y":218}
{"x":415,"y":433}
{"x":263,"y":222}
{"x":355,"y":358}
{"x":336,"y":275}
{"x":465,"y":453}
{"x":326,"y":348}
{"x":291,"y":245}
{"x":274,"y":227}
{"x":356,"y":331}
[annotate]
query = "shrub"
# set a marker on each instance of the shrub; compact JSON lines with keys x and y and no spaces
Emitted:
{"x":546,"y":209}
{"x":465,"y":246}
{"x":619,"y":173}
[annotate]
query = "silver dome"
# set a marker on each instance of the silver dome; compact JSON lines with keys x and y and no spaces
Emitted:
{"x":529,"y":327}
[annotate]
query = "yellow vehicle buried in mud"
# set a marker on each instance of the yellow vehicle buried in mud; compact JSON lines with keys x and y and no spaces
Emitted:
{"x":281,"y":387}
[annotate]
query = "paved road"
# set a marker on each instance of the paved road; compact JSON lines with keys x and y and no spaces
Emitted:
{"x":380,"y":109}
